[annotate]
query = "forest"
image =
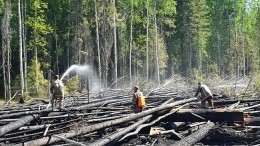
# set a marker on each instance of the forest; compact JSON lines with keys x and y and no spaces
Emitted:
{"x":115,"y":42}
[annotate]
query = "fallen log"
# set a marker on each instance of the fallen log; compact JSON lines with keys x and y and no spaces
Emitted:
{"x":193,"y":138}
{"x":104,"y":119}
{"x":108,"y":139}
{"x":106,"y":108}
{"x":18,"y":114}
{"x":58,"y":117}
{"x":214,"y":115}
{"x":24,"y":129}
{"x":151,"y":123}
{"x":17,"y":124}
{"x":250,"y":107}
{"x":120,"y":103}
{"x":225,"y":102}
{"x":92,"y":128}
{"x":83,"y":107}
{"x":252,"y":121}
{"x":23,"y":136}
{"x":69,"y":141}
{"x":119,"y":134}
{"x":3,"y":121}
{"x":9,"y":111}
{"x":172,"y":132}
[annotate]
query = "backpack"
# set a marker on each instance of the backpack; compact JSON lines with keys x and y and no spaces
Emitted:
{"x":57,"y":88}
{"x":140,"y":101}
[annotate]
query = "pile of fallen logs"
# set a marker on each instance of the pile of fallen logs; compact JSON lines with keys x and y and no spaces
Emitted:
{"x":169,"y":118}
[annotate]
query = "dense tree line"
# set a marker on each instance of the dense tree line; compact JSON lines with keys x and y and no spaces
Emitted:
{"x":130,"y":39}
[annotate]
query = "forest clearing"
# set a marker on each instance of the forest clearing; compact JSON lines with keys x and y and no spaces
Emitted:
{"x":129,"y":72}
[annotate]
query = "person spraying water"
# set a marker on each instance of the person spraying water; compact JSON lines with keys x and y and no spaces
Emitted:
{"x":57,"y":91}
{"x":83,"y":71}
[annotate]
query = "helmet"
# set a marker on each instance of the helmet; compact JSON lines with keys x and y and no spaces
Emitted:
{"x":136,"y":87}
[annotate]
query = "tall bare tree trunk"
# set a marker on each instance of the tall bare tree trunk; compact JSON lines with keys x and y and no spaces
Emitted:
{"x":36,"y":53}
{"x":78,"y":36}
{"x":68,"y":44}
{"x":217,"y":35}
{"x":21,"y":52}
{"x":24,"y":44}
{"x":6,"y":50}
{"x":4,"y":47}
{"x":243,"y":43}
{"x":105,"y":51}
{"x":97,"y":33}
{"x":156,"y":45}
{"x":131,"y":42}
{"x":199,"y":53}
{"x":56,"y":44}
{"x":115,"y":42}
{"x":147,"y":42}
{"x":68,"y":50}
{"x":236,"y":53}
{"x":190,"y":55}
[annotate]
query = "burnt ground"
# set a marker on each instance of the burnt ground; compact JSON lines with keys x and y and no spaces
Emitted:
{"x":172,"y":116}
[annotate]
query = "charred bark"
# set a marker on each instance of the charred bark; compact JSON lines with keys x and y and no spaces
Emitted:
{"x":151,"y":123}
{"x":225,"y":102}
{"x":120,"y":133}
{"x":196,"y":136}
{"x":214,"y":115}
{"x":91,"y":128}
{"x":12,"y":115}
{"x":17,"y":124}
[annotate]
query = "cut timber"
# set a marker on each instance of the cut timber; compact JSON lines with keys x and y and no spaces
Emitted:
{"x":95,"y":127}
{"x":193,"y":138}
{"x":214,"y":115}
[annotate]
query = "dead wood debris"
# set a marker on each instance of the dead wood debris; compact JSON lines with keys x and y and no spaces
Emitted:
{"x":171,"y":117}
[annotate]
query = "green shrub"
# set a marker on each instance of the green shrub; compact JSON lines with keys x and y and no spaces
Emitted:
{"x":198,"y":75}
{"x":257,"y":84}
{"x":72,"y":85}
{"x":37,"y":85}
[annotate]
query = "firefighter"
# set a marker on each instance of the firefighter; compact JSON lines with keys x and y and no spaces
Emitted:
{"x":137,"y":93}
{"x":205,"y":95}
{"x":57,"y":90}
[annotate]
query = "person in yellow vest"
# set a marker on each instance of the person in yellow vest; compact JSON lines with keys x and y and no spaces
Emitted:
{"x":137,"y":93}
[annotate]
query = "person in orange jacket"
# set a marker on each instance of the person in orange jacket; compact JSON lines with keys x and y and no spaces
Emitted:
{"x":137,"y":93}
